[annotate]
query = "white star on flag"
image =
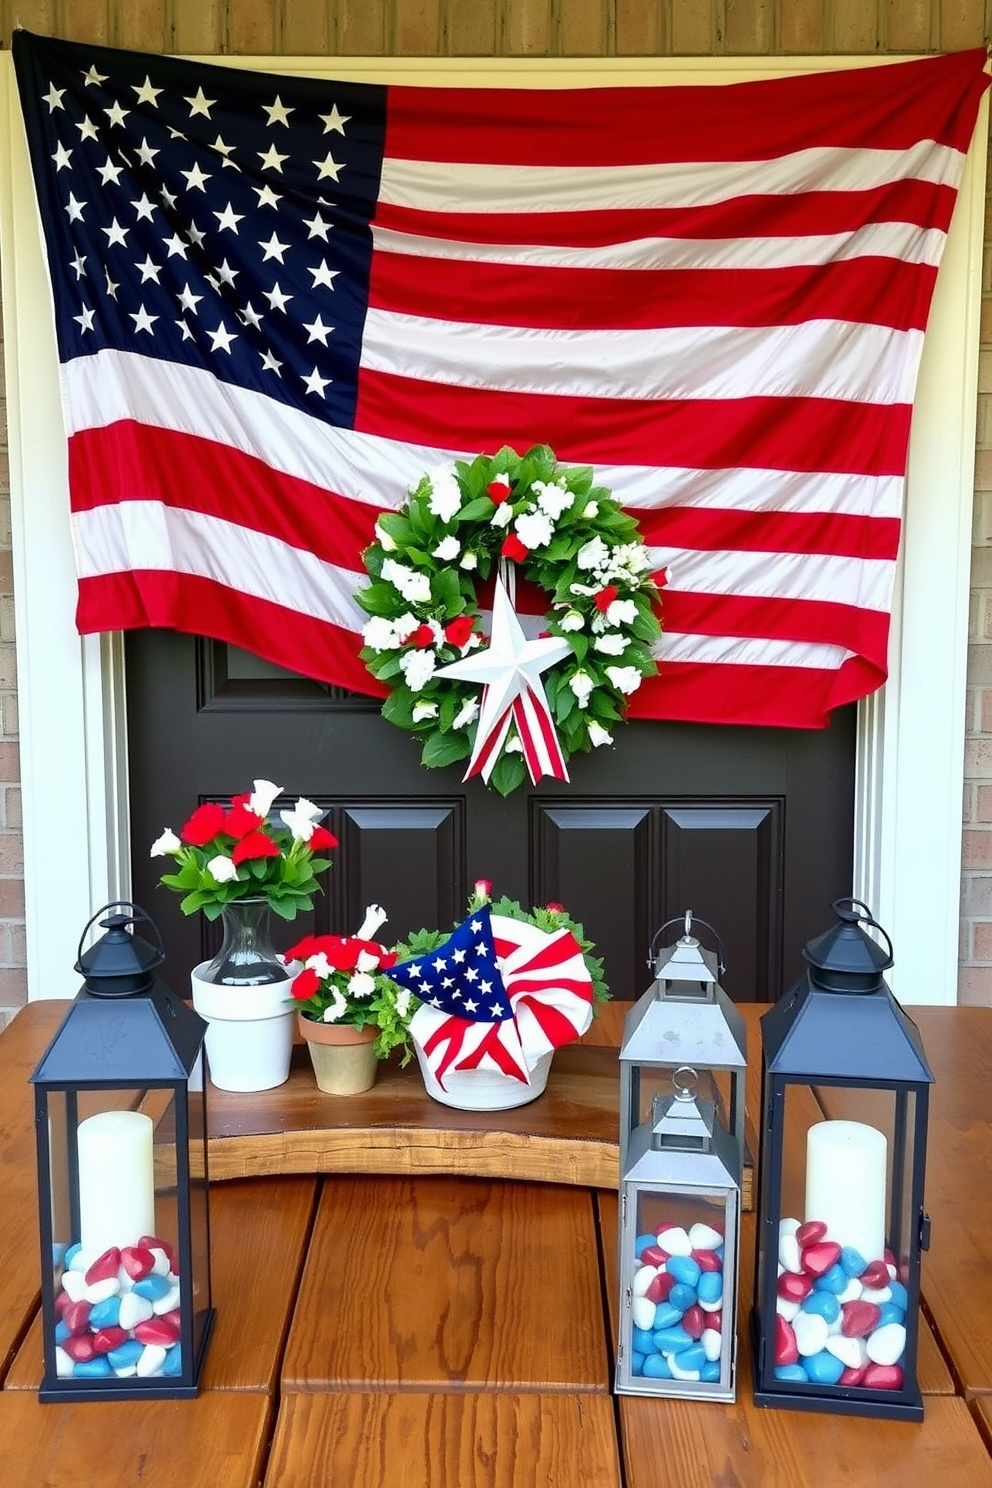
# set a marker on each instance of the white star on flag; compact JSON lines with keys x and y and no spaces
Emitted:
{"x":510,"y":670}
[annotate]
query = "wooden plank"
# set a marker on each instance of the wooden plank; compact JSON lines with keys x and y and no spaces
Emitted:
{"x":956,"y":1279}
{"x":215,"y":1439}
{"x":682,"y":1444}
{"x":433,"y":1441}
{"x":259,"y":1231}
{"x":449,"y":1284}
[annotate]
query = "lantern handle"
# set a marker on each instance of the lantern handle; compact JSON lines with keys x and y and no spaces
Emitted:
{"x":135,"y":916}
{"x":688,"y":921}
{"x":859,"y":913}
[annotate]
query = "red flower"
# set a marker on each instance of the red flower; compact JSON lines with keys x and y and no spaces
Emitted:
{"x":206,"y":823}
{"x":553,"y":907}
{"x":423,"y":637}
{"x":457,"y":632}
{"x":483,"y":889}
{"x":239,"y":821}
{"x":306,"y":984}
{"x":321,"y":840}
{"x":662,"y":577}
{"x":308,"y":946}
{"x":514,"y":548}
{"x":255,"y":845}
{"x":498,"y":491}
{"x":605,"y":598}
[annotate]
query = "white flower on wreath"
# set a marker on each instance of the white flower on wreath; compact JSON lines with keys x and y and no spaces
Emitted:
{"x":502,"y":516}
{"x":572,"y":620}
{"x":467,"y":714}
{"x":448,"y":548}
{"x":384,"y":540}
{"x":514,"y":745}
{"x":446,"y":497}
{"x":333,"y":1011}
{"x":379,"y":634}
{"x":414,"y":587}
{"x":418,"y":668}
{"x":590,"y":511}
{"x":534,"y":529}
{"x":422,"y":710}
{"x":553,"y":498}
{"x":625,"y":679}
{"x":361,"y":984}
{"x":165,"y":845}
{"x":629,"y":560}
{"x":592,"y":554}
{"x":610,"y":645}
{"x":621,"y":612}
{"x":221,"y":869}
{"x":598,"y":735}
{"x":469,"y":561}
{"x":582,"y":685}
{"x":405,"y":626}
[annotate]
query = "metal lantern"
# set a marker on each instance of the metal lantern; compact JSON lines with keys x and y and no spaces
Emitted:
{"x":122,"y":1179}
{"x":683,"y":1019}
{"x":680,"y":1204}
{"x":841,"y":1218}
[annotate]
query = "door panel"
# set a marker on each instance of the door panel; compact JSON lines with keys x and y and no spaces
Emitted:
{"x":751,"y":829}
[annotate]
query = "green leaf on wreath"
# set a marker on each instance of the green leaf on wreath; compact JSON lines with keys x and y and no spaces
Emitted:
{"x":508,"y":773}
{"x":444,"y":749}
{"x":397,"y":708}
{"x":475,"y":510}
{"x":377,"y":599}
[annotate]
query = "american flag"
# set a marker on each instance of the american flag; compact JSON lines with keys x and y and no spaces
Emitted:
{"x":280,"y":300}
{"x":497,"y":995}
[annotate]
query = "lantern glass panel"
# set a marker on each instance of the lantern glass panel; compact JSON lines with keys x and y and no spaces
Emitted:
{"x":853,"y":1173}
{"x":690,"y":1337}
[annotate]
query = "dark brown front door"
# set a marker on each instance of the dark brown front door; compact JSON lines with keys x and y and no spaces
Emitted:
{"x":749,"y":828}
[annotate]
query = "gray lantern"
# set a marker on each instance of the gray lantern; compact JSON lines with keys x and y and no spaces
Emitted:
{"x":683,"y":1019}
{"x":680,"y":1204}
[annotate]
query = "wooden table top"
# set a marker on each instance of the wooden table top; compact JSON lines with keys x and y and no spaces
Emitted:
{"x":390,"y":1326}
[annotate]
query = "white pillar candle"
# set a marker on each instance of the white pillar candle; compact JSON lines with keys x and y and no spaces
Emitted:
{"x":845,"y":1184}
{"x":116,"y":1180}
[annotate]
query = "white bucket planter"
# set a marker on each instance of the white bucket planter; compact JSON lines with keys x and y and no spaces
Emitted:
{"x":485,"y":1090}
{"x":249,"y":1038}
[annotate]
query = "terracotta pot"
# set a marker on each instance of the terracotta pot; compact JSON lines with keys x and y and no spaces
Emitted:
{"x":343,"y":1057}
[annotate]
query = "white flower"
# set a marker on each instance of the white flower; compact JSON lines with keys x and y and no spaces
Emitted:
{"x":375,"y":918}
{"x":469,"y":561}
{"x":422,"y":710}
{"x":467,"y":713}
{"x":447,"y":549}
{"x":414,"y":587}
{"x":610,"y":645}
{"x":261,"y":798}
{"x":502,"y":516}
{"x":380,"y":634}
{"x":366,"y":961}
{"x":404,"y":627}
{"x":598,"y":734}
{"x":552,"y":499}
{"x":418,"y":668}
{"x":625,"y":679}
{"x":403,"y":999}
{"x":534,"y":529}
{"x":332,"y":1013}
{"x":221,"y":869}
{"x":590,"y":510}
{"x":592,"y":554}
{"x":361,"y":984}
{"x":165,"y":845}
{"x":386,"y":543}
{"x":446,"y":498}
{"x":302,"y":819}
{"x":586,"y":589}
{"x":582,"y":685}
{"x":319,"y":964}
{"x":621,"y":612}
{"x":572,"y":620}
{"x":514,"y":745}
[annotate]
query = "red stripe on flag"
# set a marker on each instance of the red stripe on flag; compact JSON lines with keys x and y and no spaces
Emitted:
{"x":769,"y":696}
{"x":556,"y":1027}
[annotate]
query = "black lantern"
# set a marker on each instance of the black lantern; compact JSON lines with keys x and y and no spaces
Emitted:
{"x":122,"y":1180}
{"x":680,"y":1205}
{"x":841,"y":1219}
{"x":684,"y":1019}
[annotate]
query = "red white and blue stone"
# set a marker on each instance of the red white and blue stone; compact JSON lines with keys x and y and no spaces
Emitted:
{"x":117,"y":1314}
{"x":677,"y":1304}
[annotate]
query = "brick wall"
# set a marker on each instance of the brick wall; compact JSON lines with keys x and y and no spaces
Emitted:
{"x":543,"y":28}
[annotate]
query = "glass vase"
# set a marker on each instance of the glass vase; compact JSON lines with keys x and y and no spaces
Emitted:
{"x":247,"y":957}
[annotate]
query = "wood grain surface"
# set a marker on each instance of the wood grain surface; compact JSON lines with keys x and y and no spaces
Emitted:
{"x":498,"y":1440}
{"x":433,"y":1284}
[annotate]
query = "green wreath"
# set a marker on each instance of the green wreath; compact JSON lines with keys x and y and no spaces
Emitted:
{"x":567,"y":536}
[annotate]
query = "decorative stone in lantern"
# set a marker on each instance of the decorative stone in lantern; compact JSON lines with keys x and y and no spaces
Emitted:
{"x":680,"y":1205}
{"x":841,"y":1218}
{"x":122,"y":1180}
{"x":685,"y":1018}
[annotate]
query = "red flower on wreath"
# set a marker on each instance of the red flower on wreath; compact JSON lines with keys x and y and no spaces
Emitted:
{"x":605,"y":598}
{"x":514,"y":548}
{"x":423,"y":637}
{"x":498,"y":490}
{"x":457,"y":631}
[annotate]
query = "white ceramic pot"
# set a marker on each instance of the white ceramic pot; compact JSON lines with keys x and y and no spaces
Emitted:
{"x":249,"y":1038}
{"x":484,"y":1090}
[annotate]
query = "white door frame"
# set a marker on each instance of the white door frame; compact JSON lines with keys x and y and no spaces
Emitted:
{"x":911,"y":734}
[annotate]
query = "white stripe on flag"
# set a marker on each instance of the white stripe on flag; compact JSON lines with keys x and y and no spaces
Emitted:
{"x":718,"y":650}
{"x":865,"y":583}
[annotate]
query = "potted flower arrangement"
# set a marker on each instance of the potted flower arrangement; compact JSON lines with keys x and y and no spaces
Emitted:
{"x":497,"y":996}
{"x":350,"y":1013}
{"x":237,"y":864}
